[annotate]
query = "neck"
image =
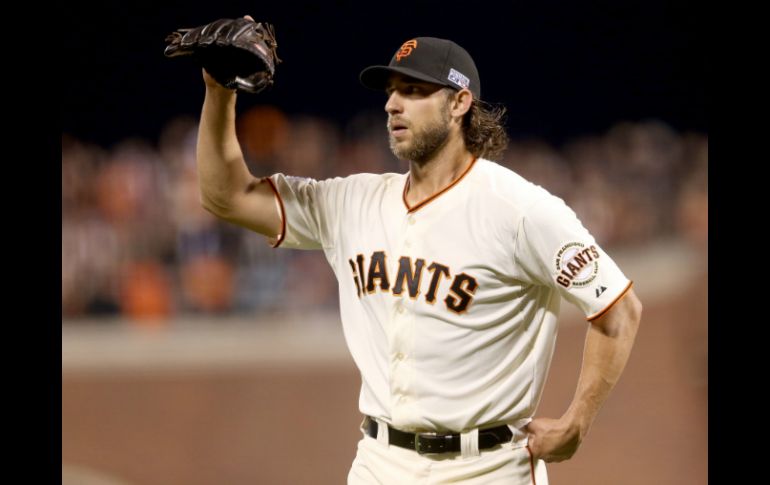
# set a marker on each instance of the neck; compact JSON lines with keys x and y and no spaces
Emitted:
{"x":431,"y":176}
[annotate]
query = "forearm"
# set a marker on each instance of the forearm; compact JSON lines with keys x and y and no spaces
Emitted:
{"x":607,"y":348}
{"x":222,"y":171}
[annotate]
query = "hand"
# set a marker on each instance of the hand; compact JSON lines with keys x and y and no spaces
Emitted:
{"x":553,"y":440}
{"x":236,"y":54}
{"x":209,"y":79}
{"x":211,"y":82}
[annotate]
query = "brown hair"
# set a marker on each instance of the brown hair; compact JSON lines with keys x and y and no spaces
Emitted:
{"x":483,"y":130}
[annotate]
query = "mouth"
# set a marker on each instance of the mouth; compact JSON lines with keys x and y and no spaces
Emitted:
{"x":397,"y":128}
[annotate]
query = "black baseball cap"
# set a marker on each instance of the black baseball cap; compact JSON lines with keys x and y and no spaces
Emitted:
{"x":430,"y":59}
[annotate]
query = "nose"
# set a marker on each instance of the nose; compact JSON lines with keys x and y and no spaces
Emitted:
{"x":393,"y":105}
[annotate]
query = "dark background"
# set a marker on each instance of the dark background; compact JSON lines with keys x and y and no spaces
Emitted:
{"x":562,"y":68}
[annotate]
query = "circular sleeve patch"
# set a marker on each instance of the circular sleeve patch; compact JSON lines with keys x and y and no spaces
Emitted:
{"x":576,"y":265}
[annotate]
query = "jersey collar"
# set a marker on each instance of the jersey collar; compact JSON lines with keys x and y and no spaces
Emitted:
{"x":433,"y":197}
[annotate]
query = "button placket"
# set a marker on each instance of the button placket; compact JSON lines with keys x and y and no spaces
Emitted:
{"x":408,"y":239}
{"x":403,"y":322}
{"x":400,"y":370}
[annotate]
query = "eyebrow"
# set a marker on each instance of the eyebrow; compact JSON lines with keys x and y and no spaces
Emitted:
{"x":406,"y":81}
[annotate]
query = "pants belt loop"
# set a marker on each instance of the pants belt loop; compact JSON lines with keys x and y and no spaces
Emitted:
{"x":520,"y":437}
{"x":469,"y":443}
{"x":382,"y":432}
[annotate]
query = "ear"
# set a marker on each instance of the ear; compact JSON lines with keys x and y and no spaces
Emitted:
{"x":460,"y":103}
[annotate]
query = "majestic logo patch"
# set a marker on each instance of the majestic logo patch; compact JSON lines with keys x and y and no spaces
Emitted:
{"x":406,"y":49}
{"x":458,"y":78}
{"x":576,"y":265}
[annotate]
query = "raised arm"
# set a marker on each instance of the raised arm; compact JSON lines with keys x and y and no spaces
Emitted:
{"x":607,"y":348}
{"x":228,"y":190}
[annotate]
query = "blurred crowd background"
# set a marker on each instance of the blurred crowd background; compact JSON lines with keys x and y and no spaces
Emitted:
{"x":137,"y":244}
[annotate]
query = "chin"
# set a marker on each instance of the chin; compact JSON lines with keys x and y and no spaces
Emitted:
{"x":400,"y":149}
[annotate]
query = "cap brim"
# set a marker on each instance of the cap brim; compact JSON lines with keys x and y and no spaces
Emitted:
{"x":376,"y":77}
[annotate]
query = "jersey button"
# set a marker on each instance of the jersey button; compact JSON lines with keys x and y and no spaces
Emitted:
{"x":399,"y":356}
{"x":407,"y":243}
{"x":401,"y":309}
{"x":411,"y":220}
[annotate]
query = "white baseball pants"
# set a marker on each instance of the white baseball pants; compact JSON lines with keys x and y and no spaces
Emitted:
{"x":379,"y":463}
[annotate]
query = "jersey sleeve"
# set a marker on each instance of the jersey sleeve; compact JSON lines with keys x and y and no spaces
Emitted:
{"x":554,"y":249}
{"x":309,"y":209}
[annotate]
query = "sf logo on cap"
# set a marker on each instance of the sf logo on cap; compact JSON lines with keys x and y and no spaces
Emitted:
{"x":406,"y":49}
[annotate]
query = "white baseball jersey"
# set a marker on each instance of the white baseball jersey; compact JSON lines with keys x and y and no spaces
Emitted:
{"x":449,"y":308}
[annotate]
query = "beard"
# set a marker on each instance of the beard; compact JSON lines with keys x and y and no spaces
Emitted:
{"x":425,"y":142}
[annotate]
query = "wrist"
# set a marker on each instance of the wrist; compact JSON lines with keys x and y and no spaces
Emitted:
{"x":221,"y":99}
{"x":216,"y":89}
{"x":579,"y":418}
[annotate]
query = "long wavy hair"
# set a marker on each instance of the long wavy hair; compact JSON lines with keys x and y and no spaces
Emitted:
{"x":484,"y":131}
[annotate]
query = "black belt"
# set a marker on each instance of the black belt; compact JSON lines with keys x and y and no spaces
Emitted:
{"x":438,"y":443}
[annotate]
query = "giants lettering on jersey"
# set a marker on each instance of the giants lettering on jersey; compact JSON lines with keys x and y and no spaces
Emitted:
{"x":409,"y":275}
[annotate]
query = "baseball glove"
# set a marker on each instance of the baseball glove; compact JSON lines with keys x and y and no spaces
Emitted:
{"x":238,"y":53}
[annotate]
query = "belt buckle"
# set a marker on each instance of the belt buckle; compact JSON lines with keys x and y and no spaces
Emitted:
{"x":417,"y":446}
{"x":439,"y":444}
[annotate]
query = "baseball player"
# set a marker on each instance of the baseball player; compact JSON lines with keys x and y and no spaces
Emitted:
{"x":450,"y":278}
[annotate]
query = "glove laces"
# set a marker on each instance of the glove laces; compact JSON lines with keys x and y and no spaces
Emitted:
{"x":269,"y":37}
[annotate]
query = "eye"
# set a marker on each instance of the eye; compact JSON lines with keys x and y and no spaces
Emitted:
{"x":406,"y":90}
